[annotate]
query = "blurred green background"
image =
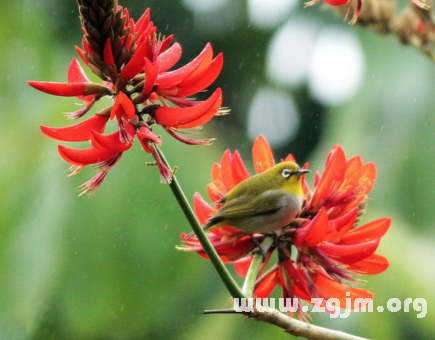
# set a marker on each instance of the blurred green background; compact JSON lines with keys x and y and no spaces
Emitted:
{"x":107,"y":267}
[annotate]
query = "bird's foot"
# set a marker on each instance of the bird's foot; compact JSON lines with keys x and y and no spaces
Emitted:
{"x":274,"y":235}
{"x":260,"y":249}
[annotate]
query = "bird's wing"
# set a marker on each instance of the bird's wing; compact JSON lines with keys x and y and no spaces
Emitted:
{"x":246,"y":205}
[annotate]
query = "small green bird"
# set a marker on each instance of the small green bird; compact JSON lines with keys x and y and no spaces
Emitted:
{"x":262,"y":203}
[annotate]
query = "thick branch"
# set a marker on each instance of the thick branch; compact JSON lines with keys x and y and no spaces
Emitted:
{"x":292,"y":326}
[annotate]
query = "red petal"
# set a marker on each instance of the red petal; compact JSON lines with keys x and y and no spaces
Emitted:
{"x":333,"y":289}
{"x":59,"y":89}
{"x":81,"y":54}
{"x":266,"y":287}
{"x":135,"y":65}
{"x":203,"y":210}
{"x":369,"y":174}
{"x":173,"y":78}
{"x":146,"y":133}
{"x":143,"y":21}
{"x":77,"y":133}
{"x":331,"y":179}
{"x":165,"y":44}
{"x":111,"y":141}
{"x":170,"y":57}
{"x":151,"y":71}
{"x":353,"y":171}
{"x":368,"y":232}
{"x":312,"y":233}
{"x":242,"y":266}
{"x":349,"y":254}
{"x":75,"y":73}
{"x":340,"y":226}
{"x":84,"y":156}
{"x":374,"y":264}
{"x":122,"y":102}
{"x":318,"y":229}
{"x":206,"y":79}
{"x":205,"y":117}
{"x":108,"y":54}
{"x":290,"y":158}
{"x":262,"y":155}
{"x":186,"y":117}
{"x":238,"y":169}
{"x":226,"y":171}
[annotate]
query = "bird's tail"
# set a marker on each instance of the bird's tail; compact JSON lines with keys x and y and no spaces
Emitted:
{"x":211,"y":222}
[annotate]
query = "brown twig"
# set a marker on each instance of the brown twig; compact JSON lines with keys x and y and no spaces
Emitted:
{"x":413,"y":26}
{"x":290,"y":325}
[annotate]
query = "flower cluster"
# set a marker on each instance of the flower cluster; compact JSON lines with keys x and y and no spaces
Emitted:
{"x":133,"y":62}
{"x":330,"y":248}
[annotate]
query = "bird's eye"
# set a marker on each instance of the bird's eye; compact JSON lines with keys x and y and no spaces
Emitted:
{"x":286,"y":173}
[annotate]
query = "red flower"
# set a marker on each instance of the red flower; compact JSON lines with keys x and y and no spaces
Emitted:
{"x":133,"y":62}
{"x":331,"y":249}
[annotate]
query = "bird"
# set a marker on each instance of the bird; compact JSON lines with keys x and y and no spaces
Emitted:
{"x":263,"y":203}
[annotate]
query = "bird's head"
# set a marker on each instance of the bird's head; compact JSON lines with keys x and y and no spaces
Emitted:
{"x":287,"y":176}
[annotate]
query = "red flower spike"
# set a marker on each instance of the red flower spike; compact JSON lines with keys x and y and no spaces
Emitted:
{"x":84,"y":156}
{"x":329,"y":251}
{"x":176,"y":117}
{"x":370,"y":231}
{"x":76,"y":133}
{"x":107,"y":53}
{"x":262,"y":155}
{"x":112,"y":142}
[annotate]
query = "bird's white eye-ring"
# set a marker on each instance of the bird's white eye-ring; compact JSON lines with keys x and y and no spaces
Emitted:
{"x":286,"y":173}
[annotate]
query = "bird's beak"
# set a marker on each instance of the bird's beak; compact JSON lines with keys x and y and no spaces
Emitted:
{"x":303,"y":171}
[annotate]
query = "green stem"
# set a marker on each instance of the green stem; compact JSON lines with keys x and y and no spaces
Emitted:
{"x":225,"y":276}
{"x":251,"y":277}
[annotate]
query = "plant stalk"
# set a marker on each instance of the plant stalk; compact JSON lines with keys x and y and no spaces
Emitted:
{"x":223,"y":272}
